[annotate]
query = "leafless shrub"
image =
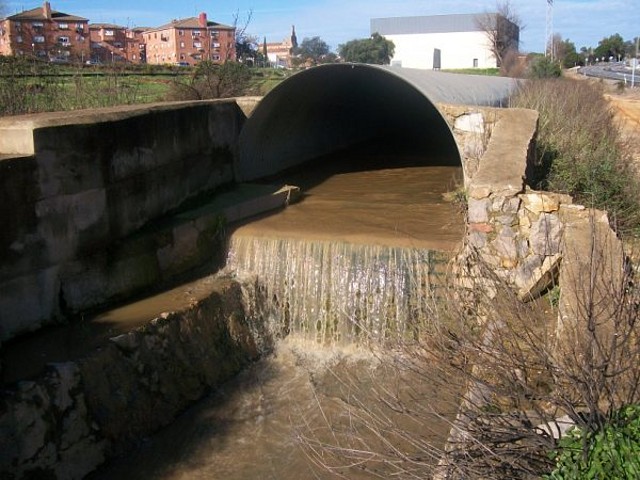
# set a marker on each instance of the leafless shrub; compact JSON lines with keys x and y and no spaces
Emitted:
{"x":513,"y":65}
{"x":209,"y":80}
{"x":514,"y":378}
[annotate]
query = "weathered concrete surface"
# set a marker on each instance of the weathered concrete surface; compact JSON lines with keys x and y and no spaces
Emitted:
{"x":65,"y":423}
{"x":504,"y":164}
{"x":84,"y":181}
{"x":592,"y":278}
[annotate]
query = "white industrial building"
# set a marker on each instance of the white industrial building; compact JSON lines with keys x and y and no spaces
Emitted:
{"x":444,"y":41}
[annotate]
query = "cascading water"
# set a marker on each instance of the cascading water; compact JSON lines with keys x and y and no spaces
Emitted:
{"x":318,"y":273}
{"x":331,"y":291}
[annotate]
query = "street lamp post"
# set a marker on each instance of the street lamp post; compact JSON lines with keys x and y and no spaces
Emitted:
{"x":635,"y":64}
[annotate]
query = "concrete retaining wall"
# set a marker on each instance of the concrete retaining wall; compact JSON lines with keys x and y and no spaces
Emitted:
{"x":75,"y":185}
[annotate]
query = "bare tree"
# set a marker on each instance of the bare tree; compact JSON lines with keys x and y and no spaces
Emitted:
{"x":246,"y":45}
{"x":502,"y":30}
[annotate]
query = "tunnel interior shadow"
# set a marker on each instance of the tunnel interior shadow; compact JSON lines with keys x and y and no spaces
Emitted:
{"x":346,"y":110}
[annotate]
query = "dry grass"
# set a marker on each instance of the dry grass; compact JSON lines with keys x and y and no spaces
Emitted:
{"x":581,"y":150}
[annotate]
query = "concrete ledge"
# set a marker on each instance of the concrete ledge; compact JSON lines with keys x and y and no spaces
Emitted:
{"x":16,"y":133}
{"x":504,"y":164}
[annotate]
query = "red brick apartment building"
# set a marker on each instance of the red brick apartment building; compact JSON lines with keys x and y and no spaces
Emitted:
{"x":107,"y":42}
{"x":113,"y":43}
{"x":135,"y":48}
{"x":190,"y":41}
{"x":47,"y":34}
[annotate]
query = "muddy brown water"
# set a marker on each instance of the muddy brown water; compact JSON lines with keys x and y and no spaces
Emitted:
{"x":251,"y":427}
{"x":262,"y":424}
{"x":362,"y":199}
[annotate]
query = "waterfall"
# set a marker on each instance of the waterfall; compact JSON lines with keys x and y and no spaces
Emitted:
{"x":332,"y":291}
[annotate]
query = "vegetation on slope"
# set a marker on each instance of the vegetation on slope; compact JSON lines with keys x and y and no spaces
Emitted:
{"x":580,"y":150}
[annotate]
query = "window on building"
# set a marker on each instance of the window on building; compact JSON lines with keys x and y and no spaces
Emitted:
{"x":197,"y":45}
{"x":181,"y":44}
{"x":181,"y":33}
{"x":37,"y":24}
{"x":197,"y":56}
{"x":63,"y":26}
{"x":475,"y":63}
{"x":38,"y":39}
{"x":19,"y":39}
{"x":214,"y":33}
{"x":79,"y":26}
{"x":64,"y":40}
{"x":195,"y":33}
{"x":108,"y":33}
{"x":182,"y":56}
{"x":117,"y":44}
{"x":215,"y":57}
{"x":216,"y":45}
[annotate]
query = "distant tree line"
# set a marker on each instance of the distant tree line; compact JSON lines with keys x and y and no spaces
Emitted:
{"x":612,"y":48}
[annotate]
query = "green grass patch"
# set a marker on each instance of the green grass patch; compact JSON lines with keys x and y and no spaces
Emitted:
{"x":491,"y":72}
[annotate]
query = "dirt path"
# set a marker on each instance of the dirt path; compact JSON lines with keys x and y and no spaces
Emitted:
{"x":627,"y":109}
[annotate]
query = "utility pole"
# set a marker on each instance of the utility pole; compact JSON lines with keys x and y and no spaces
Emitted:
{"x":549,"y":48}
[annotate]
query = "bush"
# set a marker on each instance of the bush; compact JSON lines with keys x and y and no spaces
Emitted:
{"x":579,"y":148}
{"x":612,"y":452}
{"x":209,"y":80}
{"x":544,"y":67}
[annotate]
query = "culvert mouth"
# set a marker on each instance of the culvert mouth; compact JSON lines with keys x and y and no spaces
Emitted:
{"x":334,"y":107}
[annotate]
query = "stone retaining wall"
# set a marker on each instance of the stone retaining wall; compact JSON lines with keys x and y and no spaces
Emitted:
{"x":67,"y":422}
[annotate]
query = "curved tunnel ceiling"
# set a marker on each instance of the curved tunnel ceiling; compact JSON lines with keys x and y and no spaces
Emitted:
{"x":333,"y":107}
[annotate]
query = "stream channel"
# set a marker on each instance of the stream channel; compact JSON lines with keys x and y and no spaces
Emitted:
{"x":345,"y":270}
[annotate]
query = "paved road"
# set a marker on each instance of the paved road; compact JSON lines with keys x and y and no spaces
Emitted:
{"x":611,"y":71}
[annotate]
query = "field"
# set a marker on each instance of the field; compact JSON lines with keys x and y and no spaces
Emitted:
{"x":28,"y":87}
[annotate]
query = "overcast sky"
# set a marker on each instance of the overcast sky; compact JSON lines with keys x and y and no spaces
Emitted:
{"x":584,"y":22}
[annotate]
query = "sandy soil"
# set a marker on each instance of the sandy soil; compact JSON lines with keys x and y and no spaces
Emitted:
{"x":627,"y":108}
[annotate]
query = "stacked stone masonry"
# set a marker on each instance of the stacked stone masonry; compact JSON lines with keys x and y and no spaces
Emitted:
{"x":67,"y":422}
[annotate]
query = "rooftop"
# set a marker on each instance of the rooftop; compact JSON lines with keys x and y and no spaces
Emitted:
{"x":38,"y":14}
{"x":191,"y":22}
{"x":465,"y":22}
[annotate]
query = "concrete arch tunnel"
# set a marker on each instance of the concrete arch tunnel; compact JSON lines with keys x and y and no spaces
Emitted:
{"x":333,"y":107}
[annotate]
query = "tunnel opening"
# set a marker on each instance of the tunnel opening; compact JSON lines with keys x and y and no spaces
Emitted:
{"x":355,"y":116}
